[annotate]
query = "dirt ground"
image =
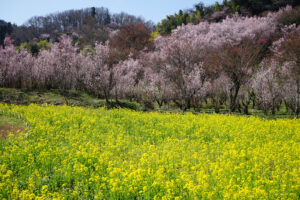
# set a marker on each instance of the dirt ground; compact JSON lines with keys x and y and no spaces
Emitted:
{"x":5,"y":130}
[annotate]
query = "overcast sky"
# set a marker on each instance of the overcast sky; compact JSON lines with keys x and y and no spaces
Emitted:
{"x":19,"y":11}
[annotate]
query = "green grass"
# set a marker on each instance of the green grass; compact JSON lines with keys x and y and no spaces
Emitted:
{"x":9,"y":121}
{"x":83,"y":99}
{"x":53,"y":97}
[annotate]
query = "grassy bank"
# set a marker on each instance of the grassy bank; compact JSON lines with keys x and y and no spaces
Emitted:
{"x":79,"y":98}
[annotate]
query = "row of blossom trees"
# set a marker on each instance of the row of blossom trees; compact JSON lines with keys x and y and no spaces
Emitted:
{"x":240,"y":61}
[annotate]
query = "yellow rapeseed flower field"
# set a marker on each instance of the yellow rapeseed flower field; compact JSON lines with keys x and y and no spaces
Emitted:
{"x":81,"y":153}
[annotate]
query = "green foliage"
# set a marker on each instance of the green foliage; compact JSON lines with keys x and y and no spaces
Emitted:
{"x":201,"y":12}
{"x":24,"y":45}
{"x":43,"y":44}
{"x":167,"y":25}
{"x":31,"y":46}
{"x":190,"y":16}
{"x":172,"y":21}
{"x":235,"y":7}
{"x":35,"y":47}
{"x":154,"y":35}
{"x":217,"y":7}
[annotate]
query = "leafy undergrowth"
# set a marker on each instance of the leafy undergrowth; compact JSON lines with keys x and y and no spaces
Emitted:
{"x":83,"y":153}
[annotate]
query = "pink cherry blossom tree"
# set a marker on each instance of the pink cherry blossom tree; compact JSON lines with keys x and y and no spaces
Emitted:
{"x":233,"y":47}
{"x":155,"y":88}
{"x":15,"y":66}
{"x":59,"y":66}
{"x":219,"y":91}
{"x":267,"y":86}
{"x":287,"y":51}
{"x":99,"y":76}
{"x":125,"y":78}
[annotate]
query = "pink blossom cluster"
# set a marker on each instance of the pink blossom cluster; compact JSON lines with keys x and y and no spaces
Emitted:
{"x":228,"y":63}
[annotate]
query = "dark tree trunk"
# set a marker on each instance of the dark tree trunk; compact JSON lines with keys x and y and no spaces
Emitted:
{"x":273,"y":107}
{"x":187,"y":104}
{"x":160,"y":103}
{"x":297,"y":108}
{"x":106,"y":95}
{"x":278,"y":106}
{"x":216,"y":104}
{"x":117,"y":99}
{"x":217,"y":109}
{"x":246,"y":107}
{"x":246,"y":110}
{"x":233,"y":96}
{"x":286,"y":106}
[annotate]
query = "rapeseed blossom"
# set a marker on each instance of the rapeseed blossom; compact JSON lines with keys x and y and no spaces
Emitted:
{"x":81,"y":153}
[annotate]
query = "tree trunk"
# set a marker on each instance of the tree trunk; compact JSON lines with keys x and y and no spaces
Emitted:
{"x":246,"y":107}
{"x":278,"y":106}
{"x":160,"y":103}
{"x":273,"y":107}
{"x":233,"y":96}
{"x":216,"y":104}
{"x":117,"y":100}
{"x":188,"y":104}
{"x":286,"y":106}
{"x":217,"y":109}
{"x":246,"y":110}
{"x":297,"y":109}
{"x":106,"y":95}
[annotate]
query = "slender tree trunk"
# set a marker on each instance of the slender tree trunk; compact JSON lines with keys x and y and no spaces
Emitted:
{"x":188,"y":104}
{"x":117,"y":99}
{"x":278,"y":106}
{"x":253,"y":102}
{"x":297,"y":109}
{"x":233,"y":96}
{"x":246,"y":107}
{"x":246,"y":110}
{"x":286,"y":106}
{"x":216,"y":104}
{"x":273,"y":107}
{"x":106,"y":95}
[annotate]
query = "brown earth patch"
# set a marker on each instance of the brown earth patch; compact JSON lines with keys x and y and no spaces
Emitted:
{"x":5,"y":130}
